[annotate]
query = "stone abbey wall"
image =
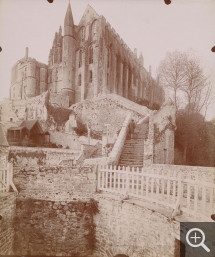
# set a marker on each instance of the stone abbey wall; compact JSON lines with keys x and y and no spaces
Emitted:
{"x":89,"y":60}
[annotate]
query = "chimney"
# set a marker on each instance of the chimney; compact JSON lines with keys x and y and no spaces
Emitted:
{"x":26,"y":53}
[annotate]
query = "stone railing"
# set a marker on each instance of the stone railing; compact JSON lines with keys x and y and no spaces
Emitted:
{"x":114,"y":155}
{"x":86,"y":152}
{"x":119,"y":144}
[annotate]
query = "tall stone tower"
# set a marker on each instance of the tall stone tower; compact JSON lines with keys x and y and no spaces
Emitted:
{"x":68,"y":60}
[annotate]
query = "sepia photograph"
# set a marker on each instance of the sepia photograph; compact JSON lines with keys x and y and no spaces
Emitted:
{"x":107,"y":128}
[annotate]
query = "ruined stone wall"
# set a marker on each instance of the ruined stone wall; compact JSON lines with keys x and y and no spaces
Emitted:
{"x":7,"y":211}
{"x":124,"y":227}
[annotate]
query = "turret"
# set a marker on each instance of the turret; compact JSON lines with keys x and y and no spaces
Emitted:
{"x":68,"y":60}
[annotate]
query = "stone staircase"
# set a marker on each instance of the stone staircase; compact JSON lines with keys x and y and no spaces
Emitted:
{"x":132,"y":154}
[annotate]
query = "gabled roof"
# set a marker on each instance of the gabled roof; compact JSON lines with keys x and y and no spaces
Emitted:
{"x":3,"y":139}
{"x":28,"y":124}
{"x":89,"y":14}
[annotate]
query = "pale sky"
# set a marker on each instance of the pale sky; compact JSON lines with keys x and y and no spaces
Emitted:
{"x":151,"y":26}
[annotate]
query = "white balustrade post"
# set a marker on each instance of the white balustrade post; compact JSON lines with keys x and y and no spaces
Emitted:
{"x":179,"y":196}
{"x":98,"y":177}
{"x":127,"y":180}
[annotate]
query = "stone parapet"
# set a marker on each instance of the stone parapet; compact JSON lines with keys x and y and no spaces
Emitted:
{"x":119,"y":144}
{"x":56,"y":182}
{"x":30,"y":156}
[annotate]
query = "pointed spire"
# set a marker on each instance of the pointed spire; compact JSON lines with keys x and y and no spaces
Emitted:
{"x":68,"y":21}
{"x":60,"y":31}
{"x":141,"y":59}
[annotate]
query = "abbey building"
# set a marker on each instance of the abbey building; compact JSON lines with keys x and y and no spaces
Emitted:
{"x":87,"y":60}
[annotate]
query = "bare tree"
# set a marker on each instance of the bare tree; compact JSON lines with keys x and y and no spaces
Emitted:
{"x":172,"y":76}
{"x":183,"y":77}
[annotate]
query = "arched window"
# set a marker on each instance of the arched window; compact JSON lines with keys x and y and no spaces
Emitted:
{"x":79,"y":80}
{"x":82,"y":34}
{"x":91,"y":54}
{"x":91,"y":76}
{"x":80,"y":58}
{"x":94,"y":30}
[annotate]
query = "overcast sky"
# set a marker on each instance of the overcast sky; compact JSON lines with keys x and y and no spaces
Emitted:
{"x":150,"y":26}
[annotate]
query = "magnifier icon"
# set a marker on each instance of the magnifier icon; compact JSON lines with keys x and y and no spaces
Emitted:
{"x":202,"y":239}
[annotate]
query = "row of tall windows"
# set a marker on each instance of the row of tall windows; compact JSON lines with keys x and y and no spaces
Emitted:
{"x":80,"y":78}
{"x":90,"y":56}
{"x":82,"y":32}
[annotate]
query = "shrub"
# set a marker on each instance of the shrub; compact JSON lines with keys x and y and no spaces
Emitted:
{"x":81,"y":129}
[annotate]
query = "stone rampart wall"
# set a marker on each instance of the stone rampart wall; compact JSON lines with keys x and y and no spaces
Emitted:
{"x":124,"y":227}
{"x":54,"y":228}
{"x":7,"y":211}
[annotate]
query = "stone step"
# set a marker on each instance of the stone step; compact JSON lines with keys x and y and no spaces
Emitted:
{"x":132,"y":154}
{"x":131,"y":161}
{"x":133,"y":165}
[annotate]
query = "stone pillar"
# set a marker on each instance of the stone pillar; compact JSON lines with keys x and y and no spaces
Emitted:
{"x":96,"y":69}
{"x":104,"y":86}
{"x":132,"y":84}
{"x":126,"y":81}
{"x":137,"y":89}
{"x":113,"y":69}
{"x":83,"y":75}
{"x":120,"y":89}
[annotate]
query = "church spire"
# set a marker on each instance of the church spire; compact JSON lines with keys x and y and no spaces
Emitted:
{"x":68,"y":21}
